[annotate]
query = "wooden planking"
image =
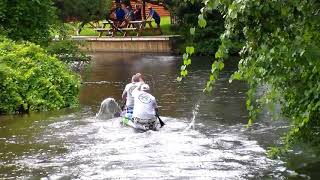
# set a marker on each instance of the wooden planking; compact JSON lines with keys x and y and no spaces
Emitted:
{"x":128,"y":44}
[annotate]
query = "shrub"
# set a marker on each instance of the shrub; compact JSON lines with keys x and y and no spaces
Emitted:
{"x":32,"y":80}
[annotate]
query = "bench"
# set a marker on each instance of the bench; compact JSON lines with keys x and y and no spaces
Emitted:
{"x":102,"y":30}
{"x":110,"y":30}
{"x":127,"y":29}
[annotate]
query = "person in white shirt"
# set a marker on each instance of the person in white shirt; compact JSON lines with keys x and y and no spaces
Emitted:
{"x":127,"y":94}
{"x":145,"y":109}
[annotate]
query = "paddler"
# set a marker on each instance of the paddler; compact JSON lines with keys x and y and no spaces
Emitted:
{"x":145,"y":109}
{"x":136,"y":80}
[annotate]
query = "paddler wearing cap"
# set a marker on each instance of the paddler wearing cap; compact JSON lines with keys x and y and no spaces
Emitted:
{"x":145,"y":109}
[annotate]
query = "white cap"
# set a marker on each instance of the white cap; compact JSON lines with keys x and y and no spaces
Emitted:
{"x":145,"y":87}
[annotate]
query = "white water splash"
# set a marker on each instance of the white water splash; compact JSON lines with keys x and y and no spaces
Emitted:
{"x":195,"y":112}
{"x":100,"y":149}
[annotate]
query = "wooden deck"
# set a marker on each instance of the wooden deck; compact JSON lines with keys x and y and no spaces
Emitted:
{"x":130,"y":44}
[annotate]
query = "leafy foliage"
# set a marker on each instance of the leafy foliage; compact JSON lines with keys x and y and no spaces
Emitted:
{"x":83,"y":10}
{"x":27,"y":19}
{"x":31,"y":80}
{"x":67,"y":51}
{"x":186,"y":13}
{"x":281,"y":51}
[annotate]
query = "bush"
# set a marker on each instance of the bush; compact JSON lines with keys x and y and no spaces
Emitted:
{"x":31,"y":80}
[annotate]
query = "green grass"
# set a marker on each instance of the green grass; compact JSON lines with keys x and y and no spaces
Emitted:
{"x":165,"y":27}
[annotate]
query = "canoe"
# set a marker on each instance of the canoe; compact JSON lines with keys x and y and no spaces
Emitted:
{"x":129,"y":122}
{"x":125,"y":121}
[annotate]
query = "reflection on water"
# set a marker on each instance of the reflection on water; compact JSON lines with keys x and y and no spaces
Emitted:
{"x":204,"y":137}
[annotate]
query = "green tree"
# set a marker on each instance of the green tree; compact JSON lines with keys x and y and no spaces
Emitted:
{"x":280,"y":51}
{"x":83,"y":11}
{"x":27,"y":19}
{"x":186,"y":16}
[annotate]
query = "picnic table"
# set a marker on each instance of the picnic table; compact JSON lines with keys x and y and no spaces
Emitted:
{"x":104,"y":28}
{"x":133,"y":26}
{"x":139,"y":25}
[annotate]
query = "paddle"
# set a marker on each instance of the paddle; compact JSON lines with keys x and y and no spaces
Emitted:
{"x":161,"y":122}
{"x":123,"y":106}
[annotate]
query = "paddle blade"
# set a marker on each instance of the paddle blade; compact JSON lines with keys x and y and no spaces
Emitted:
{"x":161,"y":122}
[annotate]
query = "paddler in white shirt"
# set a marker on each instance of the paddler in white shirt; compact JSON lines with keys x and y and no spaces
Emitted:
{"x":145,"y":109}
{"x":136,"y":80}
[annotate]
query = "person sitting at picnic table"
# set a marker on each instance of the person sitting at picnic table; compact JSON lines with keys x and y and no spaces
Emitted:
{"x":125,"y":9}
{"x":129,"y":13}
{"x":137,"y":13}
{"x":153,"y":14}
{"x":117,"y":15}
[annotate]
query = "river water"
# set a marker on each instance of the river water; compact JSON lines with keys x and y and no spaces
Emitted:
{"x":205,"y":136}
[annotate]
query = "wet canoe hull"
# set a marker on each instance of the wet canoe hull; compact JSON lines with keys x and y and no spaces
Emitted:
{"x":127,"y":122}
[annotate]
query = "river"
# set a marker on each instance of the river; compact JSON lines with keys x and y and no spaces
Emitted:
{"x":205,"y":136}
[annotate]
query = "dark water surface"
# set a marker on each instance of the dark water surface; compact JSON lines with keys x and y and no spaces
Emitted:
{"x":205,"y":136}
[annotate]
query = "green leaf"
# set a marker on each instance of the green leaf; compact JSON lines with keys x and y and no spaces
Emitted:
{"x":232,"y":11}
{"x":192,"y":30}
{"x":219,"y":53}
{"x":184,"y":73}
{"x":188,"y":61}
{"x":250,"y":122}
{"x":236,"y":75}
{"x":212,"y":77}
{"x":201,"y":21}
{"x":221,"y":65}
{"x":179,"y":79}
{"x":209,"y":87}
{"x":214,"y":66}
{"x":183,"y":67}
{"x":212,"y":4}
{"x":185,"y":55}
{"x":190,"y":50}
